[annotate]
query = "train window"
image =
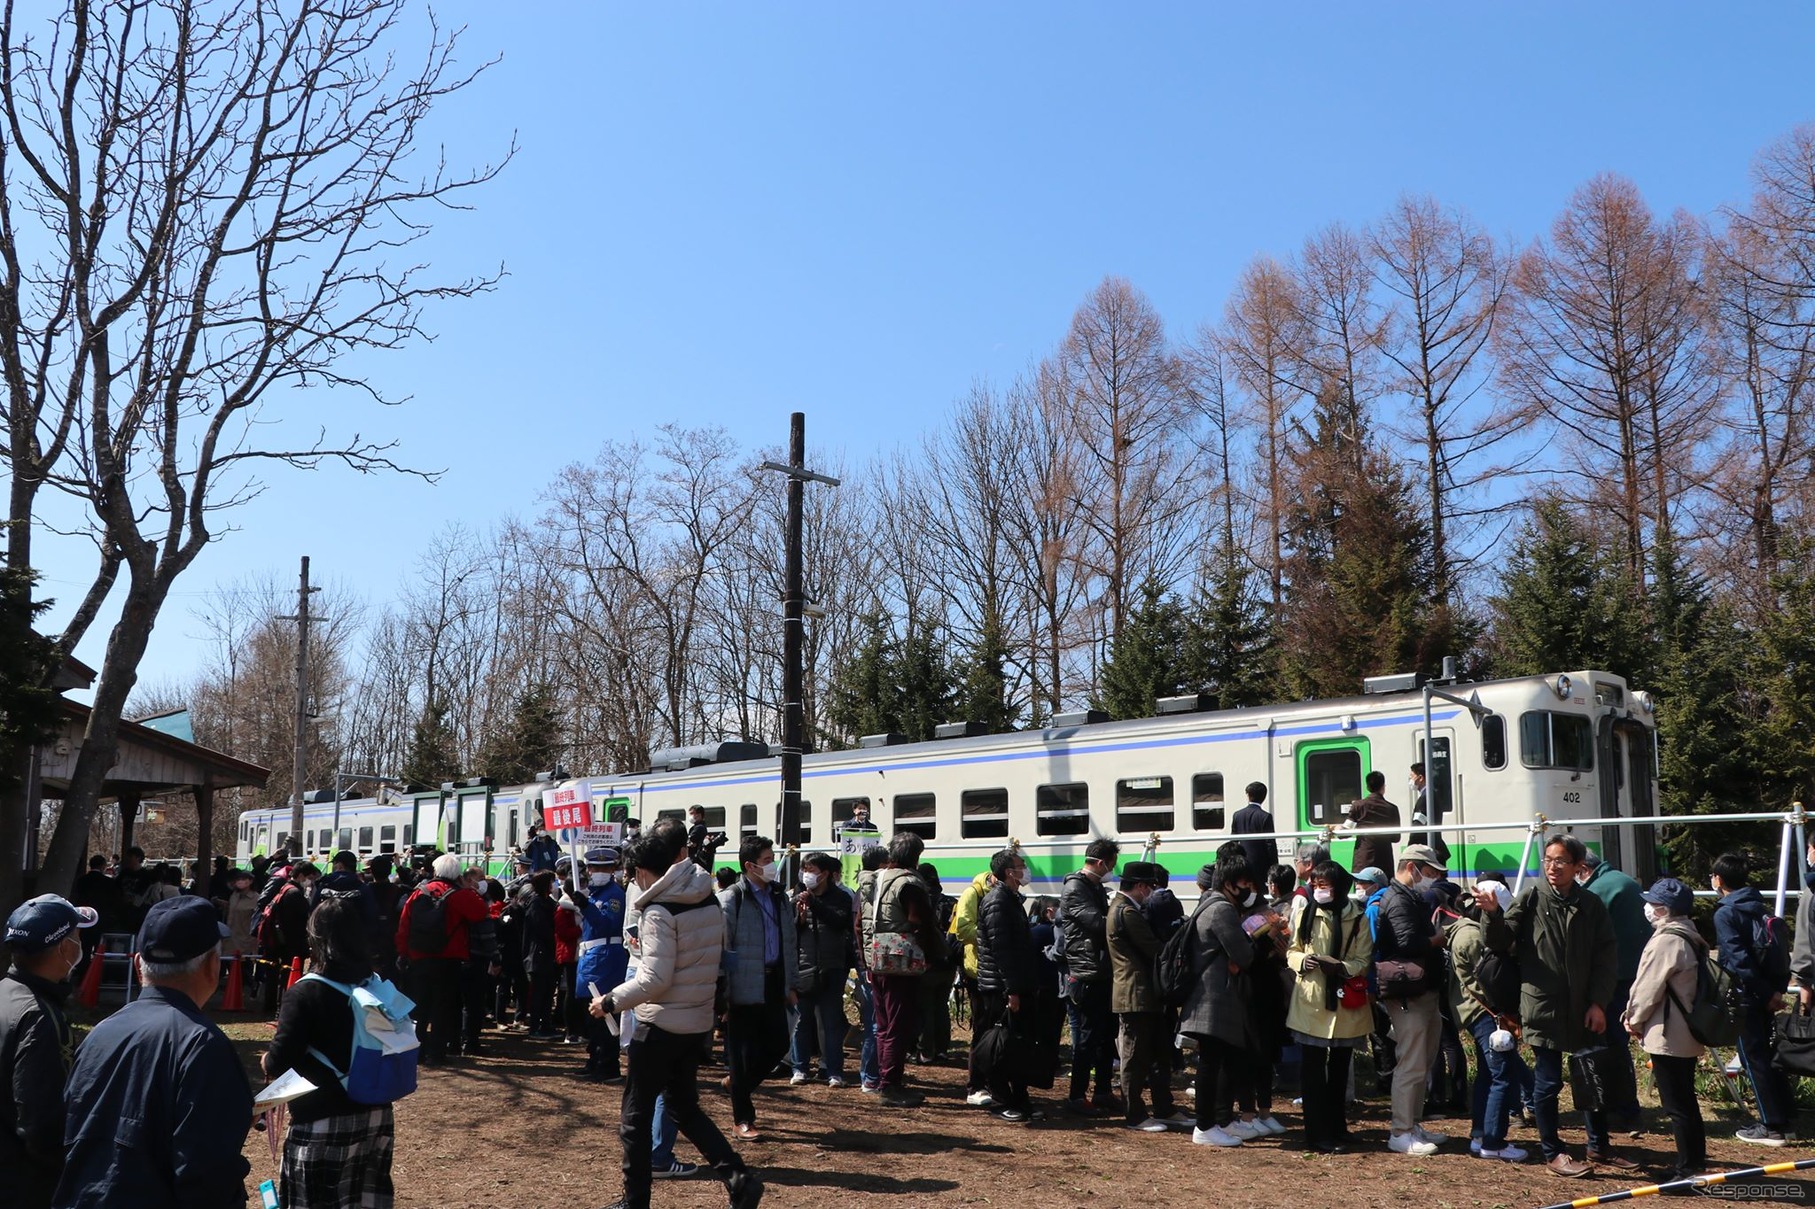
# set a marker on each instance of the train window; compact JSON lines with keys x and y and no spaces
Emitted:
{"x":1493,"y":741}
{"x":1551,"y":740}
{"x":1062,"y":809}
{"x":806,"y":821}
{"x":264,"y":837}
{"x":1143,"y":804}
{"x":245,"y":827}
{"x":1207,"y":802}
{"x":746,"y":819}
{"x":283,"y":841}
{"x":365,"y":839}
{"x":346,"y":839}
{"x":675,"y":812}
{"x":715,"y":816}
{"x":843,"y":808}
{"x":409,"y":833}
{"x":387,"y":838}
{"x":983,"y":814}
{"x":913,"y":812}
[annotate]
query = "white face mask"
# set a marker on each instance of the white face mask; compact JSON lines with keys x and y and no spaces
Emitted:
{"x":765,"y":872}
{"x":809,"y":879}
{"x":1324,"y":895}
{"x":1252,"y":898}
{"x":1656,"y":914}
{"x":600,"y":879}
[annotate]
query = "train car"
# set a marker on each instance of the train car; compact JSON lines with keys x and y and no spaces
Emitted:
{"x":1498,"y":755}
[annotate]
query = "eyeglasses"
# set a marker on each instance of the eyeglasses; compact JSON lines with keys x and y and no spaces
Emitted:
{"x":1558,"y":862}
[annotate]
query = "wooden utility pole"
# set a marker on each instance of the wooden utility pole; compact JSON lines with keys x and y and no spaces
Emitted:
{"x":302,"y":707}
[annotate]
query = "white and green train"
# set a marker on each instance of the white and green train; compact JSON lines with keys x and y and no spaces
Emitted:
{"x":1499,"y":754}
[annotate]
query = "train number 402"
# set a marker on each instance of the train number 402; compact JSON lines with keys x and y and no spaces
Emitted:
{"x":1573,"y":797}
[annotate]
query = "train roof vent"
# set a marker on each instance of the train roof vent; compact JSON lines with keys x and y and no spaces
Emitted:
{"x":1189,"y":703}
{"x":886,"y":739}
{"x":727,"y":752}
{"x":960,"y":730}
{"x":319,"y":795}
{"x":1080,"y":717}
{"x":1404,"y":682}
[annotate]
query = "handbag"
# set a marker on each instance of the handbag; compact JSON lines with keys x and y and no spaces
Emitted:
{"x":894,"y":952}
{"x":1597,"y":1079}
{"x":1793,"y":1042}
{"x":1017,"y":1051}
{"x":1354,"y":992}
{"x":1402,"y":979}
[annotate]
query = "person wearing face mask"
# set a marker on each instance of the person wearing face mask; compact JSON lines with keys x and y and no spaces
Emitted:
{"x":1624,"y":899}
{"x":602,"y":956}
{"x":1145,"y":1050}
{"x":680,"y":938}
{"x":1216,"y":1011}
{"x":1328,"y":1016}
{"x":36,"y":1049}
{"x":1739,"y":926}
{"x":1408,"y":951}
{"x":762,"y":967}
{"x":1084,"y":911}
{"x":1568,"y":967}
{"x":828,"y":952}
{"x":287,"y":935}
{"x":1656,"y":1014}
{"x":1007,"y":984}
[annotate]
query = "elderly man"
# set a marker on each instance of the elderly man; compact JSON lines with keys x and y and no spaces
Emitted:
{"x":762,"y":966}
{"x":158,"y":1102}
{"x":45,"y":937}
{"x":1143,"y":1043}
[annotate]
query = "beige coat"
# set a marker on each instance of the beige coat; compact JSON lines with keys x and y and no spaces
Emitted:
{"x":677,"y":973}
{"x":1670,"y":960}
{"x":1354,"y":945}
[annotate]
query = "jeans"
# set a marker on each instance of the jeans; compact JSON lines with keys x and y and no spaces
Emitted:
{"x":897,"y":1023}
{"x":1776,"y":1105}
{"x":666,"y":1064}
{"x":1493,"y":1093}
{"x":541,"y":999}
{"x":1547,"y":1078}
{"x":662,"y":1132}
{"x":1324,"y":1080}
{"x":1092,"y":1039}
{"x":756,"y":1037}
{"x":821,"y":1016}
{"x":868,"y":1068}
{"x":1417,"y":1031}
{"x":1675,"y":1079}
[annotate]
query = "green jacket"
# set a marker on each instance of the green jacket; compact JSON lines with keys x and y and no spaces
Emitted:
{"x":1568,"y":959}
{"x":1625,"y":903}
{"x":1467,"y":941}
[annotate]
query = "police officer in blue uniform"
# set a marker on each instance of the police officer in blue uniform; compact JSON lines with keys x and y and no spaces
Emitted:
{"x":603,"y":958}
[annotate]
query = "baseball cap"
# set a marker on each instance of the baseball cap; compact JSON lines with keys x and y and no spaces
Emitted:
{"x":179,"y":929}
{"x":1424,"y":854}
{"x":1373,"y":875}
{"x":39,"y":923}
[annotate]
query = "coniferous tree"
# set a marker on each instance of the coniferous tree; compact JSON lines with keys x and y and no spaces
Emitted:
{"x":529,"y":743}
{"x":28,"y":705}
{"x":1565,"y":602}
{"x":857,"y":701}
{"x":1783,"y":682}
{"x":1229,"y":648}
{"x":923,"y":682}
{"x":433,"y":758}
{"x":1146,"y":659}
{"x":981,"y":679}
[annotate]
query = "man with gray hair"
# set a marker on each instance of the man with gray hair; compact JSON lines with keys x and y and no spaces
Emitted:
{"x":159,"y":1104}
{"x":1308,"y":857}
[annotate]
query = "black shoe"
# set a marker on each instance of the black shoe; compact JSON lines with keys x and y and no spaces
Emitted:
{"x":746,"y":1190}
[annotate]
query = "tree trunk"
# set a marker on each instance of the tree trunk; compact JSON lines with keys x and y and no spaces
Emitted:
{"x":204,"y":830}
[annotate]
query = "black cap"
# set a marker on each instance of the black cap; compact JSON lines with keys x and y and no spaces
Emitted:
{"x":179,"y":929}
{"x":1136,"y":872}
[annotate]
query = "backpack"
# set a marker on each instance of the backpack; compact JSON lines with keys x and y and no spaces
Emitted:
{"x":1771,"y":949}
{"x":265,"y":926}
{"x":428,"y":921}
{"x":382,"y":1068}
{"x":1175,"y":969}
{"x":1713,"y":1018}
{"x":1497,"y":974}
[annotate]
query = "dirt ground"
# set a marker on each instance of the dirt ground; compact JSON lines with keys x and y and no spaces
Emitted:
{"x":514,"y":1128}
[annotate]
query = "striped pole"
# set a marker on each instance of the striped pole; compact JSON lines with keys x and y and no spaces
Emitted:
{"x":1700,"y":1181}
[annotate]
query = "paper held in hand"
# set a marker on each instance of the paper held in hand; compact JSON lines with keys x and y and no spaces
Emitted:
{"x":611,"y":1021}
{"x":286,"y":1087}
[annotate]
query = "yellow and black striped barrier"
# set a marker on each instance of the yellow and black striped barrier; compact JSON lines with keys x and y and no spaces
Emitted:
{"x":1700,"y":1181}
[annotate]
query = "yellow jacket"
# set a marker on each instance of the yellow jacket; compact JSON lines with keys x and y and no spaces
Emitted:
{"x":964,"y":918}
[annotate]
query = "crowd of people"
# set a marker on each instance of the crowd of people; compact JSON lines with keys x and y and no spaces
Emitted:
{"x":645,"y":956}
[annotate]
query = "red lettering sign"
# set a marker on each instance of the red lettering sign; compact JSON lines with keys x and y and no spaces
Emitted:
{"x":567,"y":810}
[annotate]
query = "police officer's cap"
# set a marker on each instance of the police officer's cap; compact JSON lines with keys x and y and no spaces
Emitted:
{"x":602,"y":857}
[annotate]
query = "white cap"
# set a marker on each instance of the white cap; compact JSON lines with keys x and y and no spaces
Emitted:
{"x":1500,"y":890}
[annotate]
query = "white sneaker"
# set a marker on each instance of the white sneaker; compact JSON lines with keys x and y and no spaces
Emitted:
{"x":1474,"y":1145}
{"x":1214,"y":1136}
{"x":836,"y":1081}
{"x":801,"y":1079}
{"x":980,"y":1099}
{"x":1271,"y":1125}
{"x":1409,"y":1143}
{"x":1150,"y":1125}
{"x":1506,"y":1154}
{"x":1247,"y":1131}
{"x":1425,"y":1135}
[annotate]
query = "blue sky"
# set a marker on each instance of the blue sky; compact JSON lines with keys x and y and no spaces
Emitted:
{"x":722,"y":213}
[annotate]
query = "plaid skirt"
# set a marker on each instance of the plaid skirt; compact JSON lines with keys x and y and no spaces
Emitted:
{"x":339,"y":1162}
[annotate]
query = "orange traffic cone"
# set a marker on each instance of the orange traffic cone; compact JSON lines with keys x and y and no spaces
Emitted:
{"x":90,"y":994}
{"x":295,"y":972}
{"x":234,"y":1000}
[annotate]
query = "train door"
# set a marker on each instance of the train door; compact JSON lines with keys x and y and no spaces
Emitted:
{"x":1440,"y":799}
{"x":1330,"y":775}
{"x":1623,"y":754}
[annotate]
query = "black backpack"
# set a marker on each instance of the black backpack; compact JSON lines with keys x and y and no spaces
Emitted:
{"x":1497,"y":974}
{"x":1771,"y":949}
{"x":1175,"y":969}
{"x":428,"y":922}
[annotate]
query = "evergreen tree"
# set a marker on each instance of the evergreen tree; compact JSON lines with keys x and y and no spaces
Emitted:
{"x":923,"y":682}
{"x":433,"y":758}
{"x":28,"y":705}
{"x":858,"y":697}
{"x":1360,"y":576}
{"x":902,"y":685}
{"x":981,"y":678}
{"x":529,"y":743}
{"x":1783,"y":680}
{"x":1565,"y":602}
{"x":1147,"y":658}
{"x":1229,"y":648}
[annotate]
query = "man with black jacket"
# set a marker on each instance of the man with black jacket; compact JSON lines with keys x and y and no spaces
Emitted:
{"x":827,"y":942}
{"x":1256,"y":819}
{"x":1738,"y":922}
{"x":1006,"y":982}
{"x":1084,"y":911}
{"x":1409,"y":956}
{"x":35,"y":1046}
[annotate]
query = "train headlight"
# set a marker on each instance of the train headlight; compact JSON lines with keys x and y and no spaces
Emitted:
{"x":1562,"y":686}
{"x":1647,"y":702}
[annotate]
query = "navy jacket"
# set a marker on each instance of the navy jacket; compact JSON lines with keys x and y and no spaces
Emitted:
{"x":34,"y":1062}
{"x":158,"y":1110}
{"x":1734,"y":920}
{"x":1255,"y":819}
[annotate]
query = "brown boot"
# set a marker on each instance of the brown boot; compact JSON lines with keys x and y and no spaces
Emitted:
{"x":1567,"y":1167}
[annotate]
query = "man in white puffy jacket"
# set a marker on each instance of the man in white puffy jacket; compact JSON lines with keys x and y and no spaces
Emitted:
{"x":681,"y":934}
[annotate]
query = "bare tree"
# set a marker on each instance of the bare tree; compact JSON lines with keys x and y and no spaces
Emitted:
{"x":1264,"y":333}
{"x":1447,"y":280}
{"x":202,"y":207}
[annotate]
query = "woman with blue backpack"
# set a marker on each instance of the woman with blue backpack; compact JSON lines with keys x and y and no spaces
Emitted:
{"x":348,"y":1032}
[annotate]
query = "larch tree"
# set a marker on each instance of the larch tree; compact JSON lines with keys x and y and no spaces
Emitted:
{"x":204,"y":207}
{"x":1262,"y":335}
